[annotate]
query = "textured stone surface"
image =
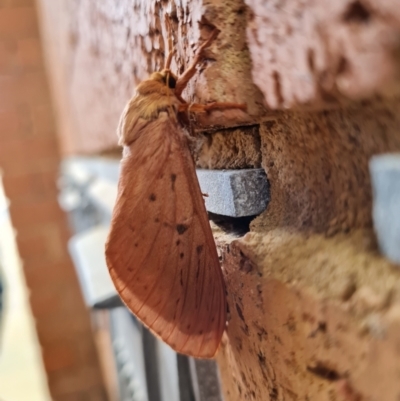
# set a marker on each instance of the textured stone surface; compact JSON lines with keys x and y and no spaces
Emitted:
{"x":239,"y":146}
{"x":234,"y":193}
{"x":385,"y":175}
{"x":316,"y":163}
{"x":320,"y":53}
{"x":317,"y":166}
{"x":311,"y":318}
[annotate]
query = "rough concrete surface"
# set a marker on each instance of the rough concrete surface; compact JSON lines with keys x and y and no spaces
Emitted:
{"x":241,"y":147}
{"x":319,"y":53}
{"x":317,"y":164}
{"x":311,"y":318}
{"x":234,"y":193}
{"x":314,"y":307}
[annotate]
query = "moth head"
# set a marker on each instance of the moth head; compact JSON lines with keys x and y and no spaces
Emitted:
{"x":166,"y":77}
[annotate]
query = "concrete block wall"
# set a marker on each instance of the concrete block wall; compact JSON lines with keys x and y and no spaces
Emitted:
{"x":29,"y":161}
{"x":314,"y":307}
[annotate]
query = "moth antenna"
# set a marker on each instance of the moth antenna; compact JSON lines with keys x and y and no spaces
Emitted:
{"x":171,"y":50}
{"x":191,"y":70}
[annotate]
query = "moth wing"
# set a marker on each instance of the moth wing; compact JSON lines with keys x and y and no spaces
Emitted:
{"x":160,"y":251}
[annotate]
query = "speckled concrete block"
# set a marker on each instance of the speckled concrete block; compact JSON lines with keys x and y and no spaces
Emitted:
{"x":235,"y":193}
{"x":385,"y":174}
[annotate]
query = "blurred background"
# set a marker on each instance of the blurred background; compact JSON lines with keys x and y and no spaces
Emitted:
{"x":40,"y":279}
{"x":22,"y":374}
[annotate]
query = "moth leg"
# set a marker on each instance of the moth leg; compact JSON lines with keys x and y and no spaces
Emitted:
{"x":189,"y":73}
{"x":204,"y":108}
{"x":171,"y":51}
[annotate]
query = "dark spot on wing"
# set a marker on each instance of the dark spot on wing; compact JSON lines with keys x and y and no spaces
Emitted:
{"x":201,"y":332}
{"x":136,"y":244}
{"x":152,"y":197}
{"x":199,"y":249}
{"x":181,"y":228}
{"x":173,"y":179}
{"x":178,"y":242}
{"x":157,"y":220}
{"x":198,"y":270}
{"x":181,"y":255}
{"x":188,"y":327}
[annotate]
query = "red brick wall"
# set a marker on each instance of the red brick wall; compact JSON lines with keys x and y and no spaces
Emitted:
{"x":29,"y":158}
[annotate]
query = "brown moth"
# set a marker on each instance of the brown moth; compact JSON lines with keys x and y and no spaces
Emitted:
{"x":160,"y":251}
